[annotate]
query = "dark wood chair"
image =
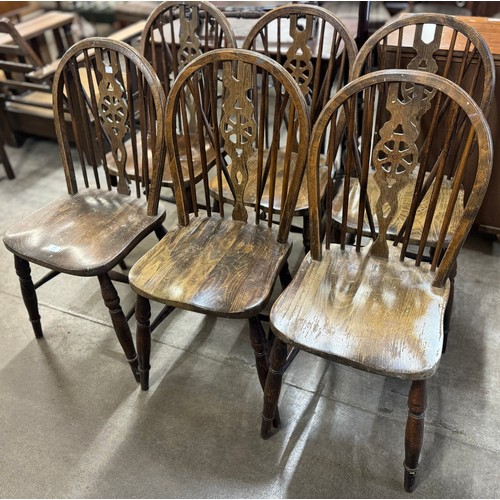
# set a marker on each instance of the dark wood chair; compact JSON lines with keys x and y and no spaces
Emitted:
{"x":368,"y":305}
{"x":219,"y":263}
{"x":175,"y":33}
{"x":91,"y":229}
{"x":317,"y":50}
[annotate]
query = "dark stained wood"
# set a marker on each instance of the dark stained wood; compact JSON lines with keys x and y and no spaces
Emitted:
{"x":414,"y":436}
{"x":316,"y":48}
{"x":369,"y":306}
{"x":437,"y":44}
{"x":173,"y":35}
{"x":225,"y":264}
{"x":73,"y":234}
{"x":93,"y":228}
{"x":213,"y":266}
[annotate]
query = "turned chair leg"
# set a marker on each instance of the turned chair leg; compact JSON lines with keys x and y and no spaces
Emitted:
{"x":417,"y":402}
{"x":28,"y":292}
{"x":449,"y":306}
{"x":143,"y":339}
{"x":270,"y":415}
{"x":122,"y":330}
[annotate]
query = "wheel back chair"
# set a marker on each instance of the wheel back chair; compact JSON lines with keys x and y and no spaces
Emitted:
{"x":442,"y":45}
{"x":175,"y":33}
{"x":369,"y":305}
{"x":315,"y":47}
{"x":219,"y":263}
{"x":91,"y":229}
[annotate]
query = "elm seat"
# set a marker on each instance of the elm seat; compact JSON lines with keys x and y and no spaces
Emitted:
{"x":163,"y":272}
{"x":167,"y":176}
{"x":94,"y":227}
{"x":372,"y":306}
{"x":251,"y":190}
{"x":222,"y":263}
{"x":73,"y":234}
{"x":329,"y":314}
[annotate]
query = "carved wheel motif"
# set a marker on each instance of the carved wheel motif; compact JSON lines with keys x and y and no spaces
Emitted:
{"x":238,"y":128}
{"x":189,"y":42}
{"x":113,"y":111}
{"x":298,"y":57}
{"x":395,"y":156}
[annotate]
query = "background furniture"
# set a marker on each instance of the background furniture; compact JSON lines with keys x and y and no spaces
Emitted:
{"x":369,"y":306}
{"x":92,"y":229}
{"x":224,"y":264}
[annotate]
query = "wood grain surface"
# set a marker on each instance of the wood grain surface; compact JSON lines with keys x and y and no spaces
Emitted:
{"x":85,"y":234}
{"x":405,"y":196}
{"x":382,"y":315}
{"x":223,"y":267}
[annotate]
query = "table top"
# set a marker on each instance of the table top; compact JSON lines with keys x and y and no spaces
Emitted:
{"x":38,"y":25}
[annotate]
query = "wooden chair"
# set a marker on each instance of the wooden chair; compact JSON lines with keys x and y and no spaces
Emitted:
{"x":432,"y":43}
{"x":317,"y":50}
{"x":218,"y":263}
{"x":370,"y":306}
{"x":175,"y":33}
{"x":91,"y":229}
{"x":437,"y":44}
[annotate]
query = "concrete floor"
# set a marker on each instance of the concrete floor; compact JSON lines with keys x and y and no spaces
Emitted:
{"x":73,"y":422}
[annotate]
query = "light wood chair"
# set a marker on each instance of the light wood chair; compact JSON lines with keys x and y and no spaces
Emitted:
{"x":91,"y":229}
{"x":225,"y":264}
{"x":368,"y":305}
{"x":316,"y":49}
{"x":175,"y":33}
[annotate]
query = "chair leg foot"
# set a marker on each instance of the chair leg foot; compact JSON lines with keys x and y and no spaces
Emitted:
{"x":417,"y":402}
{"x":120,"y":325}
{"x":28,"y":292}
{"x":270,"y":414}
{"x":143,"y":337}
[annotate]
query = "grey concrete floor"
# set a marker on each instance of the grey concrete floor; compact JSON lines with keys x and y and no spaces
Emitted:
{"x":73,"y":422}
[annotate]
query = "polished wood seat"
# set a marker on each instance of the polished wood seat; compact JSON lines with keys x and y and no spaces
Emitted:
{"x":404,"y":204}
{"x":177,"y":273}
{"x":167,"y":177}
{"x":214,"y":262}
{"x":251,"y":189}
{"x":91,"y":229}
{"x":369,"y":305}
{"x":73,"y":234}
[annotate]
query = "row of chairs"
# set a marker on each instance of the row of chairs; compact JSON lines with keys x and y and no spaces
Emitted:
{"x":260,"y":136}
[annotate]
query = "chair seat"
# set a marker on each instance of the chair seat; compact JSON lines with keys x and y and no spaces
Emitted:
{"x":223,"y":267}
{"x":404,"y":196}
{"x":251,"y":188}
{"x":167,"y":176}
{"x":383,"y":316}
{"x":85,"y":234}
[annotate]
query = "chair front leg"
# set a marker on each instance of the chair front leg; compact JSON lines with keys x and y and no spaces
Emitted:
{"x":143,"y":338}
{"x":28,"y":292}
{"x":258,"y":341}
{"x":122,"y":330}
{"x":449,"y":306}
{"x":270,"y":415}
{"x":417,"y":402}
